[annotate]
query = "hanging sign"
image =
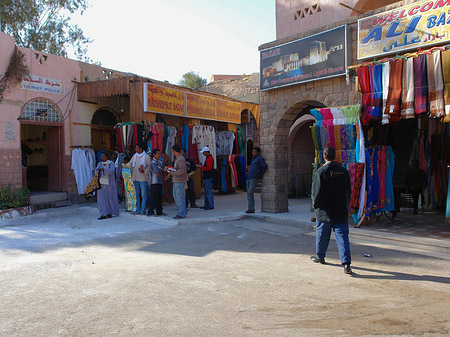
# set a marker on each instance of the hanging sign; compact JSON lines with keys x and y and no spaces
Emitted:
{"x":228,"y":111}
{"x":199,"y":106}
{"x":417,"y":25}
{"x":312,"y":58}
{"x":42,"y":84}
{"x":163,"y":100}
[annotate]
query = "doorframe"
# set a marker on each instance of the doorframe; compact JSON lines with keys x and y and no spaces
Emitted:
{"x":61,"y":147}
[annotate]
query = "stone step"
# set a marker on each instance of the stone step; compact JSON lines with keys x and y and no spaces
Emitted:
{"x":47,"y":197}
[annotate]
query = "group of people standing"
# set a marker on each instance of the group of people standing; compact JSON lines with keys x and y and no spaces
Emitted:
{"x":147,"y":172}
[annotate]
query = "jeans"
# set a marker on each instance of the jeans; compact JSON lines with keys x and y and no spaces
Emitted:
{"x":141,"y":196}
{"x":179,"y":196}
{"x":209,"y":198}
{"x":155,"y":199}
{"x":251,"y":185}
{"x":323,"y":234}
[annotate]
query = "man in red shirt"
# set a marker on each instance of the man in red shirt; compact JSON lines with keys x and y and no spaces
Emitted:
{"x":208,"y":171}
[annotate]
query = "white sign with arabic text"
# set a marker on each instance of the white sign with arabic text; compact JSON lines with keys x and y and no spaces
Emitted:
{"x":43,"y":84}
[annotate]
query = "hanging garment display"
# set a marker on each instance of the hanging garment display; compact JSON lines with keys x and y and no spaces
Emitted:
{"x":420,"y":84}
{"x":130,"y":192}
{"x":83,"y":166}
{"x":385,"y":78}
{"x":435,"y":85}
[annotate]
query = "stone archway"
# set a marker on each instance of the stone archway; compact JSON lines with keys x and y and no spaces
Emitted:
{"x":277,"y":118}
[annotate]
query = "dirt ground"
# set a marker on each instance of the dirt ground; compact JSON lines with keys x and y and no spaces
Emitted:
{"x":237,"y":278}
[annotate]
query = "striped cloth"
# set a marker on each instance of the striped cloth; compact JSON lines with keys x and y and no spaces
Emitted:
{"x":435,"y":85}
{"x":420,"y":84}
{"x":394,"y":99}
{"x":408,"y":89}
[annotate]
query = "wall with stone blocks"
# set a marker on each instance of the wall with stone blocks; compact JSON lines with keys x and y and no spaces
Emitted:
{"x":10,"y":167}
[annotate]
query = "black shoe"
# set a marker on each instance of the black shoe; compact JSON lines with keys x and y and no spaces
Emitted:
{"x":317,"y":260}
{"x":161,"y":214}
{"x":347,"y":269}
{"x":248,"y":211}
{"x":208,"y":208}
{"x":195,"y":206}
{"x":103,"y":217}
{"x":109,"y":216}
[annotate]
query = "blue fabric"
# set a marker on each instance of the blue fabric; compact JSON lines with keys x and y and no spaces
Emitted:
{"x":141,"y":196}
{"x":389,"y":204}
{"x":244,"y":169}
{"x":223,"y":173}
{"x":185,"y":139}
{"x":378,"y":91}
{"x":251,"y":186}
{"x":180,"y":200}
{"x":257,"y":168}
{"x":323,"y":234}
{"x":373,"y":181}
{"x":209,"y":198}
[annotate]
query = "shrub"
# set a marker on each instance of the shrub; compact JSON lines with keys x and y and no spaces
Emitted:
{"x":11,"y":197}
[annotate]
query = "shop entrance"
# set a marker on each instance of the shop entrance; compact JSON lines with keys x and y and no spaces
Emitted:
{"x":103,"y":136}
{"x":42,"y":144}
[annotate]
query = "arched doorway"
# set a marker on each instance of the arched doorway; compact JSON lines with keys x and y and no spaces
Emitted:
{"x":275,"y":129}
{"x":103,"y":137}
{"x":42,"y":145}
{"x":301,"y":154}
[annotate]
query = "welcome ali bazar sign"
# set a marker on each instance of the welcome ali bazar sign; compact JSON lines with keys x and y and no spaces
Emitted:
{"x":420,"y":24}
{"x":182,"y":103}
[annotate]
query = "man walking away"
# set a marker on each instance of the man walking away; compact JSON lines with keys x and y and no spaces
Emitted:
{"x":256,"y":171}
{"x":331,"y":198}
{"x":179,"y":180}
{"x":190,"y":165}
{"x":156,"y":184}
{"x":207,"y":169}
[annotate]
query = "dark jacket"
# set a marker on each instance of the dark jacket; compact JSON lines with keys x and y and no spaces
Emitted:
{"x":257,"y":168}
{"x":331,"y":194}
{"x":208,"y":167}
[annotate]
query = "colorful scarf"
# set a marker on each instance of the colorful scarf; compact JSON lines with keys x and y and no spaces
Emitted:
{"x":408,"y":89}
{"x":394,"y":99}
{"x":446,"y":75}
{"x":435,"y":85}
{"x":385,"y":79}
{"x":376,"y":87}
{"x":420,"y":84}
{"x":364,"y":83}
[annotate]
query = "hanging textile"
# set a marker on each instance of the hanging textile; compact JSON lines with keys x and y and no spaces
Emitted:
{"x":358,"y":173}
{"x":408,"y":89}
{"x":351,"y":113}
{"x":130,"y":192}
{"x":420,"y":84}
{"x":377,"y":91}
{"x":394,"y":97}
{"x":446,"y":76}
{"x":435,"y":85}
{"x":83,"y":166}
{"x":372,"y":180}
{"x":364,"y":82}
{"x":385,"y":79}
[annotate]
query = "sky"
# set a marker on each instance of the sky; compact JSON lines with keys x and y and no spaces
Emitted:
{"x":163,"y":39}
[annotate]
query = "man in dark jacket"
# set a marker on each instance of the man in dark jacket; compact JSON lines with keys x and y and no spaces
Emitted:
{"x":256,"y":171}
{"x":190,"y":164}
{"x":331,"y":198}
{"x":208,"y":172}
{"x":156,"y":184}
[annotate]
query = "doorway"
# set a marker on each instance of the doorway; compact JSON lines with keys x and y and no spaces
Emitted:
{"x":42,"y":156}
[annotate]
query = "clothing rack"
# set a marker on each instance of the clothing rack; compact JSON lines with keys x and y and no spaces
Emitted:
{"x":127,"y":123}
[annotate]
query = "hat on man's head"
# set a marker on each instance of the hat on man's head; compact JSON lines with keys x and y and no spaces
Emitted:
{"x":205,"y":149}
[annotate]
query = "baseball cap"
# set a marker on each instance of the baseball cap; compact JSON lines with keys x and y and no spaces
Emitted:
{"x":205,"y":149}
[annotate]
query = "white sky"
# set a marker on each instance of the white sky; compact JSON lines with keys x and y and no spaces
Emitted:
{"x":163,"y":39}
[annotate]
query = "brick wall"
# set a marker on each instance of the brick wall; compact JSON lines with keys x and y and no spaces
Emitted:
{"x":10,"y":167}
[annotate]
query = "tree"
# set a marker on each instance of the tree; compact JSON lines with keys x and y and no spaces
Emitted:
{"x":192,"y":80}
{"x":45,"y":25}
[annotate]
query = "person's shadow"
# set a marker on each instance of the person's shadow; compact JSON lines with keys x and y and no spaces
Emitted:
{"x":391,"y":275}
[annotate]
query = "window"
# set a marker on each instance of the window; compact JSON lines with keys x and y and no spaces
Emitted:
{"x":307,"y":11}
{"x":41,"y":110}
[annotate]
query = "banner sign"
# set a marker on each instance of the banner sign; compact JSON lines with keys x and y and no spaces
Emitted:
{"x":420,"y":24}
{"x":228,"y":111}
{"x":198,"y":106}
{"x":312,"y":58}
{"x":163,"y":100}
{"x":42,"y":84}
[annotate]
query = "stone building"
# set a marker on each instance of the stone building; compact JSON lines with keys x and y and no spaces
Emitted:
{"x":285,"y":109}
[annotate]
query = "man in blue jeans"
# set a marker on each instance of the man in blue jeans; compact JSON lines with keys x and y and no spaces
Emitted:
{"x":179,"y":179}
{"x":208,"y":171}
{"x":256,"y":171}
{"x":331,"y":194}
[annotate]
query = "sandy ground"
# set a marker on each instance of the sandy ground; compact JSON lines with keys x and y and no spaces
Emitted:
{"x":131,"y":276}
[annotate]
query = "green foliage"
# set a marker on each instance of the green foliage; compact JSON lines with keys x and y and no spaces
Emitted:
{"x":11,"y":197}
{"x":45,"y":25}
{"x":192,"y":80}
{"x":16,"y":72}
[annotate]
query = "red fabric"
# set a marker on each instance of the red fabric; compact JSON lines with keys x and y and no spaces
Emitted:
{"x":193,"y":150}
{"x":235,"y":170}
{"x":394,"y":99}
{"x":420,"y":84}
{"x":236,"y":143}
{"x":119,"y":139}
{"x":364,"y":83}
{"x":135,"y":132}
{"x":356,"y":186}
{"x":160,"y":135}
{"x":209,"y":163}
